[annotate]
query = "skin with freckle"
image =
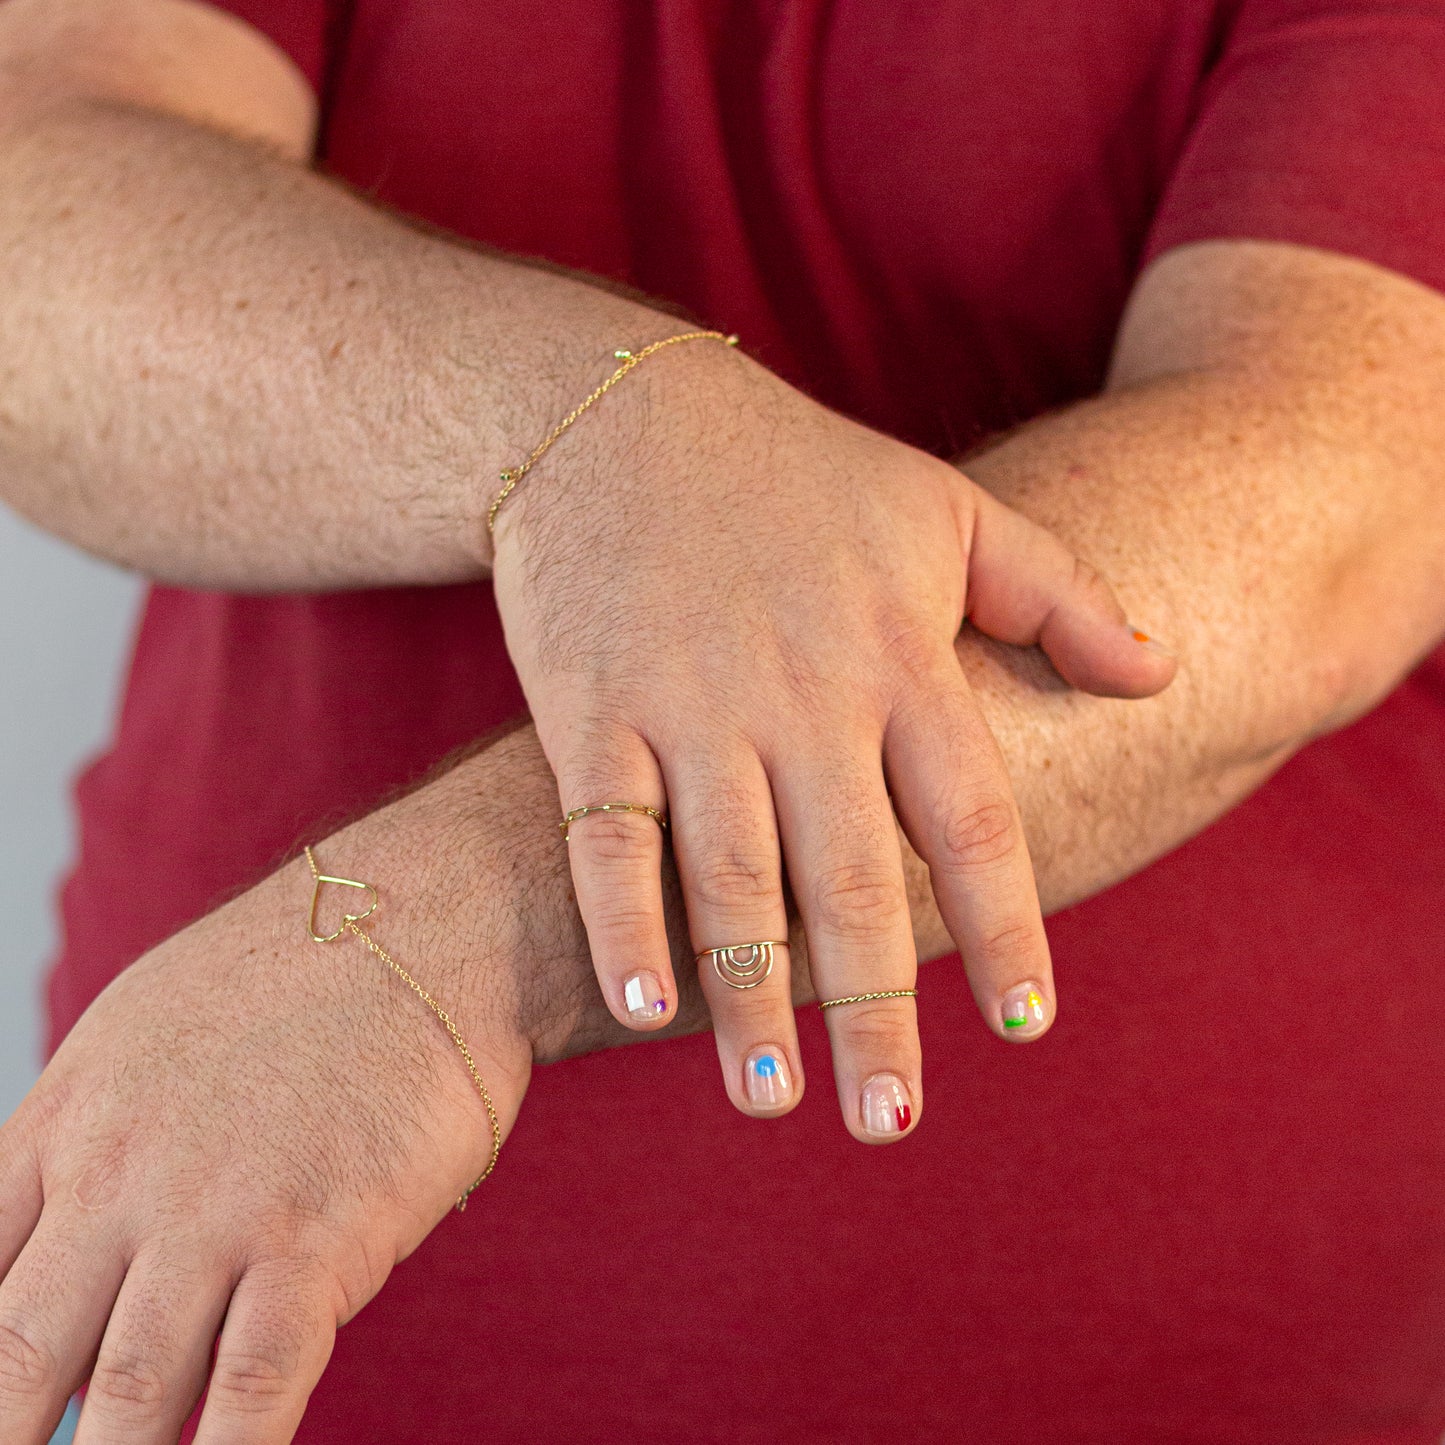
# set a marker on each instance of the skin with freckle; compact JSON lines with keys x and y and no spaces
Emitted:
{"x":1204,"y":1206}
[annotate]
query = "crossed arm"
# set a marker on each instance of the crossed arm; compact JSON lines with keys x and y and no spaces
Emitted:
{"x":1276,"y":482}
{"x":1264,"y":469}
{"x":1267,"y":465}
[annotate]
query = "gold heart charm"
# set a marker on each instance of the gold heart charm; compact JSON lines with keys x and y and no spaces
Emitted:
{"x":346,"y":918}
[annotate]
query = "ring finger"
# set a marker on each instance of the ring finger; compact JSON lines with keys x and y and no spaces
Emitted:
{"x":726,"y":841}
{"x":843,"y":856}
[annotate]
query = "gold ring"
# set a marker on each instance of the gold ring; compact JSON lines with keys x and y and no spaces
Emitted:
{"x":656,"y":814}
{"x":738,"y":972}
{"x":869,"y":997}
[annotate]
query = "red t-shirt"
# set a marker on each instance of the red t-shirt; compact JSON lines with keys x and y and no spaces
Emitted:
{"x":1210,"y":1207}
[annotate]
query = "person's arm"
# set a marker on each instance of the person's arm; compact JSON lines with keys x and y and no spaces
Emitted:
{"x":222,"y":368}
{"x":1267,"y":466}
{"x":1272,"y":447}
{"x":722,"y":599}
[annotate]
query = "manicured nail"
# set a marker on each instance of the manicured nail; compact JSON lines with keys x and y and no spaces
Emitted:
{"x":887,"y":1107}
{"x":643,"y":995}
{"x":767,"y":1078}
{"x":1152,"y":643}
{"x":1025,"y":1014}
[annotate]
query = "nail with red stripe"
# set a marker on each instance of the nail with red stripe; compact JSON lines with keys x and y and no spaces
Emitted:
{"x":887,"y":1106}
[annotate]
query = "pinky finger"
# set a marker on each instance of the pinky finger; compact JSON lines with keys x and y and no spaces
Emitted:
{"x":277,"y":1338}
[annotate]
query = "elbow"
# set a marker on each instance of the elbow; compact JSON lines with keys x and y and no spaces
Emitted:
{"x":1382,"y":624}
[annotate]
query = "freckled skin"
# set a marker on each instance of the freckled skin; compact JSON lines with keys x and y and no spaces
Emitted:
{"x":1295,"y":388}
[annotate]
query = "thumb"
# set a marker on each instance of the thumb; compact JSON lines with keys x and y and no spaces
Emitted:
{"x":1027,"y":588}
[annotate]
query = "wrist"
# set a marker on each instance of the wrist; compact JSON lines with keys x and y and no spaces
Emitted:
{"x":437,"y":917}
{"x":649,"y":399}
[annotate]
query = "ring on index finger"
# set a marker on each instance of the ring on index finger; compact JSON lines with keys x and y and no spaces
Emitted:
{"x":656,"y":814}
{"x":743,"y":965}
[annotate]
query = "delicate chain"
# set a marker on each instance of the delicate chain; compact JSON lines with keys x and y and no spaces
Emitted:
{"x":629,"y":360}
{"x":352,"y":925}
{"x":869,"y":997}
{"x":656,"y":814}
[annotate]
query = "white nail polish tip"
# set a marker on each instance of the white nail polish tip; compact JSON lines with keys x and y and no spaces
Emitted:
{"x":643,"y":997}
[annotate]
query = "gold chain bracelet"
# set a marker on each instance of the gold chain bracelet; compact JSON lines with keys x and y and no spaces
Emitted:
{"x":351,"y":922}
{"x":630,"y":360}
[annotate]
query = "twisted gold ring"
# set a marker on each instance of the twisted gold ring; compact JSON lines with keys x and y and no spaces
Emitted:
{"x":869,"y":997}
{"x":743,"y":965}
{"x":656,"y":814}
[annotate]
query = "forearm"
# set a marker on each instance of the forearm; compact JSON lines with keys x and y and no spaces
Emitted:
{"x":227,"y":371}
{"x":1288,"y":626}
{"x":1267,"y":494}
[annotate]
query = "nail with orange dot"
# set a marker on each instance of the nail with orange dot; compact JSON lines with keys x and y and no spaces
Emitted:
{"x":1152,"y":643}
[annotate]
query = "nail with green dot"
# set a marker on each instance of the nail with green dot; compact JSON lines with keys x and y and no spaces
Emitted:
{"x":1025,"y":1011}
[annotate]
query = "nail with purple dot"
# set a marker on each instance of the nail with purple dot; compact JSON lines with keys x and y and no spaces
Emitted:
{"x":644,"y":998}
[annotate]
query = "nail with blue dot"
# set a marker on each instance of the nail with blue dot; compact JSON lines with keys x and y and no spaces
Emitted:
{"x":767,"y":1079}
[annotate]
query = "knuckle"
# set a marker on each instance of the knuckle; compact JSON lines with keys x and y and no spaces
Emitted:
{"x":1012,"y":948}
{"x":617,"y":840}
{"x":910,"y":648}
{"x":861,"y":897}
{"x":254,"y":1379}
{"x":128,"y":1384}
{"x":620,"y":923}
{"x":979,"y":836}
{"x":880,"y":1030}
{"x":747,"y":1015}
{"x":729,"y":879}
{"x":1089,"y":582}
{"x":27,"y":1366}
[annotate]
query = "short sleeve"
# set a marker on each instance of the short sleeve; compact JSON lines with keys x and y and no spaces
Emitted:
{"x":303,"y":29}
{"x":1322,"y":124}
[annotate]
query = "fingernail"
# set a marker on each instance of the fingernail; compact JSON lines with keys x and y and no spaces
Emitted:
{"x":643,"y":995}
{"x":1152,"y":643}
{"x":887,"y":1107}
{"x":767,"y":1079}
{"x":1025,"y":1011}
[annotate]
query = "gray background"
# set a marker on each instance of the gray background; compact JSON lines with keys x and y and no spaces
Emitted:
{"x":65,"y":624}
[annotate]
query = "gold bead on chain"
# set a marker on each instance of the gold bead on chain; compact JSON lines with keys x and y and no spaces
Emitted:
{"x":629,"y":361}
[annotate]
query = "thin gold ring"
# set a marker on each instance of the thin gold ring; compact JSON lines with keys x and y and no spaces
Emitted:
{"x":869,"y":997}
{"x":656,"y":814}
{"x":739,"y":972}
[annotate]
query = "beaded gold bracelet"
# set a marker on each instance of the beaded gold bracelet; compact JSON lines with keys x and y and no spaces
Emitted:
{"x":351,"y":922}
{"x":630,"y":361}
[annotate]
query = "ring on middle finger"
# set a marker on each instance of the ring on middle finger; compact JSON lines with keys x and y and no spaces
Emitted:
{"x":743,"y":965}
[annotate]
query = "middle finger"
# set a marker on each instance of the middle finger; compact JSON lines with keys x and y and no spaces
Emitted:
{"x":726,"y":841}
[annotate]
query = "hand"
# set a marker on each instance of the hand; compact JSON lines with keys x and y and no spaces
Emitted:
{"x":251,"y":1127}
{"x":746,"y":615}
